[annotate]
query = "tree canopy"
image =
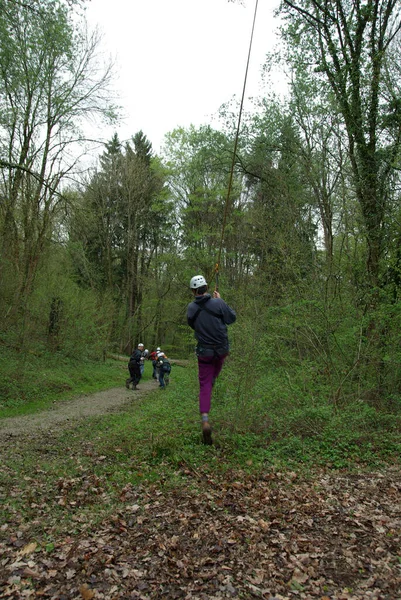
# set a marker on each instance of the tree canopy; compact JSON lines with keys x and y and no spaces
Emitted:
{"x":311,"y":246}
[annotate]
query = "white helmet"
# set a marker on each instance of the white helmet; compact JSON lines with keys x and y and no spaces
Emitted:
{"x":157,"y":349}
{"x":160,"y":355}
{"x":197,"y":282}
{"x":140,"y":344}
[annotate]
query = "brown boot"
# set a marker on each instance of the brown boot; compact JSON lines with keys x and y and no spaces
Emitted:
{"x":207,"y":433}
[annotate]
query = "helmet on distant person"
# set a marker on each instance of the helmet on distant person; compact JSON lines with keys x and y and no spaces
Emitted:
{"x":161,"y":355}
{"x":197,"y":282}
{"x":158,"y":349}
{"x":141,"y":345}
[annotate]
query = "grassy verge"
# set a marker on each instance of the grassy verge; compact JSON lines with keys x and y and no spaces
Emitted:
{"x":85,"y":471}
{"x":32,"y":383}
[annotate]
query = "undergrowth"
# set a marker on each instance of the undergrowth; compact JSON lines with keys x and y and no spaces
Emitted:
{"x":34,"y":381}
{"x":157,"y":439}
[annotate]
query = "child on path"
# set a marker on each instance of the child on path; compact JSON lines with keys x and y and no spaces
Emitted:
{"x":164,"y":367}
{"x":157,"y":368}
{"x":209,"y":318}
{"x":141,"y":348}
{"x":134,"y":368}
{"x":153,"y":357}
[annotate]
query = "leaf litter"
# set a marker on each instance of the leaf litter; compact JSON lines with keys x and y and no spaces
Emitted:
{"x":274,"y":535}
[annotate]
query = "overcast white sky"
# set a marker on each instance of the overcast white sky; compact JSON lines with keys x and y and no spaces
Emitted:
{"x":177,"y":61}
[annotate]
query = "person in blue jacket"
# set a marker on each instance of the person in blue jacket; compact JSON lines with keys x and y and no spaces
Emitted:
{"x":208,"y":316}
{"x":164,"y":367}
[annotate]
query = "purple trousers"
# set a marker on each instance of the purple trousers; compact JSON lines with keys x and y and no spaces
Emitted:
{"x":209,"y":368}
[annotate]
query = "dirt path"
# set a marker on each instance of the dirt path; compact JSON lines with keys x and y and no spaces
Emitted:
{"x":71,"y":411}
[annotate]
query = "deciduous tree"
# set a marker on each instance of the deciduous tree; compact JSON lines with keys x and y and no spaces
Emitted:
{"x":347,"y":43}
{"x":50,"y":81}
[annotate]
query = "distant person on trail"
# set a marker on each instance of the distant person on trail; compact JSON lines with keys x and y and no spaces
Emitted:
{"x":153,"y":357}
{"x":157,"y":368}
{"x":134,"y":368}
{"x":141,"y":348}
{"x":209,"y":318}
{"x":164,"y":366}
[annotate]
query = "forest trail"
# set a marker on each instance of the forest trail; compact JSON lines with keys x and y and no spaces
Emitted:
{"x":70,"y":411}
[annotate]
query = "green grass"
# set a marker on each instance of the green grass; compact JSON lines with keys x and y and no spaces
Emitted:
{"x":92,"y":468}
{"x":32,"y":383}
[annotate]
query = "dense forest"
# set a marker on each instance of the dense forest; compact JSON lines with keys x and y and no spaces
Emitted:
{"x":107,"y":492}
{"x":94,"y":260}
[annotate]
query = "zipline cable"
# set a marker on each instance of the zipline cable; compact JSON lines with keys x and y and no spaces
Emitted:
{"x":216,"y":269}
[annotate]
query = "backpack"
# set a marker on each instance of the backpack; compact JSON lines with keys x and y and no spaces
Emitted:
{"x":164,"y":366}
{"x":135,"y":357}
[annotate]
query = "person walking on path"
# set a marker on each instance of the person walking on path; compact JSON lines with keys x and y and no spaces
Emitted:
{"x":208,"y":316}
{"x":153,"y":357}
{"x":134,"y":368}
{"x":157,"y":368}
{"x":141,"y":348}
{"x":164,"y":367}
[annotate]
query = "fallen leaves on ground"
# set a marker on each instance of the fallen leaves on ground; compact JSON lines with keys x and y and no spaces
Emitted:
{"x":272,"y":536}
